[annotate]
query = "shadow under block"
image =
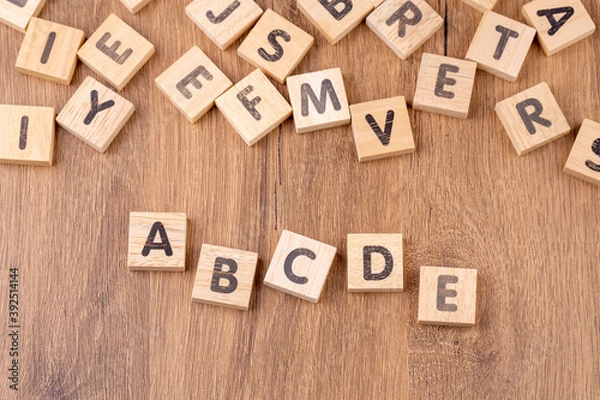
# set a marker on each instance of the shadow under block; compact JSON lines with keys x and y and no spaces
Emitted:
{"x":447,"y":296}
{"x":275,"y":45}
{"x":500,"y":45}
{"x":224,"y":21}
{"x":116,"y":51}
{"x":335,"y":19}
{"x":27,"y":136}
{"x":135,"y":5}
{"x":375,"y":262}
{"x":404,"y":25}
{"x":225,"y":277}
{"x":481,"y":5}
{"x":17,"y":13}
{"x":319,"y":100}
{"x":254,"y":107}
{"x":95,"y":114}
{"x":559,"y":23}
{"x":584,"y":160}
{"x":532,"y":118}
{"x":193,"y":83}
{"x":300,"y":266}
{"x":49,"y":51}
{"x":157,"y":241}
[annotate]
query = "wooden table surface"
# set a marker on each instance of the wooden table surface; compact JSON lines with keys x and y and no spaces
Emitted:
{"x":92,"y":329}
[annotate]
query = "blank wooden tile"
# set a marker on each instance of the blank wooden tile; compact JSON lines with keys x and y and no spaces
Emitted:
{"x":584,"y":160}
{"x":500,"y":45}
{"x":445,"y":85}
{"x":116,"y":51}
{"x":157,"y":241}
{"x":275,"y":45}
{"x":532,"y":118}
{"x":49,"y":51}
{"x":481,"y":5}
{"x":319,"y":100}
{"x":335,"y":19}
{"x":404,"y":25}
{"x":27,"y":135}
{"x":300,"y":266}
{"x":382,"y":129}
{"x":559,"y":23}
{"x":193,"y":83}
{"x":447,"y":296}
{"x":375,"y":262}
{"x":17,"y":13}
{"x":224,"y":21}
{"x":95,"y":114}
{"x":225,"y":277}
{"x":254,"y":107}
{"x":135,"y":5}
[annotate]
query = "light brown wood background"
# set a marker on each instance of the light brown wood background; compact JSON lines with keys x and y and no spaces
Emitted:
{"x":91,"y":329}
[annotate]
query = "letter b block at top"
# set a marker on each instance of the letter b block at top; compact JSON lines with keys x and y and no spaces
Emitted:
{"x":584,"y":160}
{"x":17,"y":13}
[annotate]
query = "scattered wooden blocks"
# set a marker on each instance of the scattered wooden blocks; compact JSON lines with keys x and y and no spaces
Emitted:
{"x":559,"y":23}
{"x":116,"y":51}
{"x":95,"y":114}
{"x":303,"y":90}
{"x":481,"y":5}
{"x":532,"y":118}
{"x":17,"y":13}
{"x":224,"y":22}
{"x":335,"y":19}
{"x":404,"y":25}
{"x":584,"y":160}
{"x":193,"y":83}
{"x":500,"y":45}
{"x":300,"y":266}
{"x":225,"y":277}
{"x":135,"y":5}
{"x":275,"y":45}
{"x":447,"y":296}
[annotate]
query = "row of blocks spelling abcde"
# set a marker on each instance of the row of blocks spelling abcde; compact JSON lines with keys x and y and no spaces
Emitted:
{"x":300,"y":267}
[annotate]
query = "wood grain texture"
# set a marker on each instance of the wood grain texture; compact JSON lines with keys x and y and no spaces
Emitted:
{"x":93,"y":330}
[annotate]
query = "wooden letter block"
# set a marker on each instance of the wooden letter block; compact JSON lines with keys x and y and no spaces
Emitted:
{"x":95,"y":114}
{"x":445,"y":85}
{"x":375,"y":262}
{"x":157,"y":241}
{"x":376,"y":2}
{"x":224,"y":21}
{"x":300,"y":266}
{"x":335,"y":19}
{"x":584,"y":160}
{"x":275,"y":45}
{"x":17,"y":13}
{"x":447,"y":296}
{"x":500,"y":45}
{"x":254,"y":107}
{"x":27,"y":135}
{"x":116,"y":51}
{"x":382,"y":129}
{"x":481,"y":5}
{"x":193,"y":83}
{"x":135,"y":5}
{"x":404,"y":25}
{"x":559,"y":23}
{"x":319,"y":100}
{"x":49,"y":51}
{"x":532,"y":118}
{"x":225,"y":277}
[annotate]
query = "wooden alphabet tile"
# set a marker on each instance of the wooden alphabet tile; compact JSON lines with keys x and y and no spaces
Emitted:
{"x":135,"y":5}
{"x":481,"y":5}
{"x":584,"y":160}
{"x":17,"y":13}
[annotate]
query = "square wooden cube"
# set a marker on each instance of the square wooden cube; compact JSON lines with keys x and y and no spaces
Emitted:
{"x":382,"y":129}
{"x":375,"y":262}
{"x":49,"y":51}
{"x":500,"y":45}
{"x":18,"y":13}
{"x":319,"y":100}
{"x":335,"y":19}
{"x":445,"y":85}
{"x":254,"y":107}
{"x":404,"y":25}
{"x":559,"y":23}
{"x":225,"y":277}
{"x":447,"y":296}
{"x":300,"y":266}
{"x":193,"y":83}
{"x":584,"y":160}
{"x":28,"y":135}
{"x":532,"y":118}
{"x":116,"y":51}
{"x":157,"y":241}
{"x":481,"y":5}
{"x":275,"y":45}
{"x":135,"y":5}
{"x":95,"y":114}
{"x":224,"y":21}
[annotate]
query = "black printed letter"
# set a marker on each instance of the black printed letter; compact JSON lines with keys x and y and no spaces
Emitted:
{"x":289,"y":260}
{"x":112,"y":50}
{"x":273,"y":42}
{"x":535,"y":116}
{"x":443,"y":293}
{"x":556,"y":25}
{"x":250,"y":104}
{"x":221,"y":17}
{"x":96,"y":108}
{"x":505,"y":35}
{"x":384,"y":137}
{"x":321,"y":103}
{"x":400,"y":15}
{"x":596,"y":149}
{"x":330,"y":5}
{"x":23,"y":132}
{"x":219,"y":274}
{"x":367,"y":264}
{"x":164,"y":240}
{"x":192,"y":78}
{"x":19,"y":3}
{"x":48,"y":47}
{"x":442,"y":81}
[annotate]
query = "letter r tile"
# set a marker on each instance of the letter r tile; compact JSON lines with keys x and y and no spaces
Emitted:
{"x":375,"y":262}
